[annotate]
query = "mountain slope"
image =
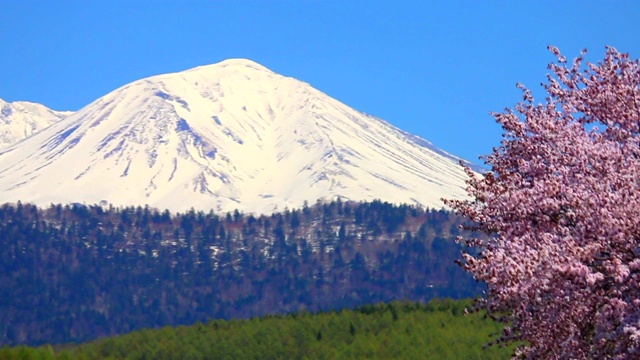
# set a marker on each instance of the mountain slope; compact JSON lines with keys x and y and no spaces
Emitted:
{"x":224,"y":136}
{"x":21,"y":119}
{"x":72,"y":273}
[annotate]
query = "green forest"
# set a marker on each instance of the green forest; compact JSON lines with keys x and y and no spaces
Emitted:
{"x":438,"y":329}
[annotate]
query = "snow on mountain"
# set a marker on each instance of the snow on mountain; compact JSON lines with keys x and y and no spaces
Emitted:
{"x":225,"y":136}
{"x":21,"y":119}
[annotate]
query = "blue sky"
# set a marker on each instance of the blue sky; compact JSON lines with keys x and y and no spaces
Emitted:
{"x":433,"y":68}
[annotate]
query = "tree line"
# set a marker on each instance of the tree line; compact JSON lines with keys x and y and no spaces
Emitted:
{"x":397,"y":330}
{"x":73,"y":273}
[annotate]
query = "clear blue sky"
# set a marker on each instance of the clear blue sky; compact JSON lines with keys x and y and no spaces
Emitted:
{"x":433,"y":68}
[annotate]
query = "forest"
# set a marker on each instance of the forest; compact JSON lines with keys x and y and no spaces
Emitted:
{"x":397,"y":330}
{"x":74,"y":273}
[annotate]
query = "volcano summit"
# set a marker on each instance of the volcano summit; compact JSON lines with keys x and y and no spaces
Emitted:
{"x":232,"y":135}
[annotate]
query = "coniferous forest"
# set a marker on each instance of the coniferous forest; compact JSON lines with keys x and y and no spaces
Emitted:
{"x":75,"y":273}
{"x":397,"y":330}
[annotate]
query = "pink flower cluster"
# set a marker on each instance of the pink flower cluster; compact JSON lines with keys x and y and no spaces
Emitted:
{"x":561,"y":208}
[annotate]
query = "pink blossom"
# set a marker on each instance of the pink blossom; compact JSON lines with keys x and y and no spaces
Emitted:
{"x":561,"y":211}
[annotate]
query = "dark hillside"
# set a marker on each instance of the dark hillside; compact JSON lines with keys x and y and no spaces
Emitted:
{"x":73,"y":273}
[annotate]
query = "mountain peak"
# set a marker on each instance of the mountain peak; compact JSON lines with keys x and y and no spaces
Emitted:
{"x":231,"y":135}
{"x":236,"y":65}
{"x":240,"y":62}
{"x":21,"y":119}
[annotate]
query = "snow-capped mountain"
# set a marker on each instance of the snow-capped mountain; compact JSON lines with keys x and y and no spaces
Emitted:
{"x":21,"y":119}
{"x":224,"y":136}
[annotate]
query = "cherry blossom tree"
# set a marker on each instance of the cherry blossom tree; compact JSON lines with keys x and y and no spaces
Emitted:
{"x":560,"y":207}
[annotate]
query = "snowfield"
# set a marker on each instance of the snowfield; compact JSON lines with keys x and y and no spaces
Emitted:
{"x":21,"y":119}
{"x":232,"y":135}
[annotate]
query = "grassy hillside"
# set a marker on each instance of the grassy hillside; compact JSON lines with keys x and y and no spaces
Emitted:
{"x":436,"y":330}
